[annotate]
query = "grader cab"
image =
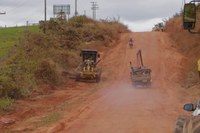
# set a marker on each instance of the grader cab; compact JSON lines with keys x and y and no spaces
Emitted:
{"x":88,"y":69}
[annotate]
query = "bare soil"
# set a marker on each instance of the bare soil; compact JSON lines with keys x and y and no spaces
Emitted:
{"x":114,"y":105}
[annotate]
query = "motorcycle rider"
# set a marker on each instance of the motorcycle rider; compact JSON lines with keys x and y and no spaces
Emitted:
{"x":130,"y":42}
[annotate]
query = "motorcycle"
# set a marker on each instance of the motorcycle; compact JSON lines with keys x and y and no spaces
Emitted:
{"x":130,"y":44}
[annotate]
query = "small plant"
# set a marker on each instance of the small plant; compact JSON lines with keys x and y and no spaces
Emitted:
{"x":6,"y":102}
{"x":46,"y":73}
{"x":49,"y":119}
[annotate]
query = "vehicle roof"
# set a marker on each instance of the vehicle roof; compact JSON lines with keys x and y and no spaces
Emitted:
{"x":86,"y":50}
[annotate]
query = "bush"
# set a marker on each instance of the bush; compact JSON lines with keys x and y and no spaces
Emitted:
{"x":8,"y":86}
{"x":6,"y":102}
{"x":41,"y":57}
{"x":46,"y":73}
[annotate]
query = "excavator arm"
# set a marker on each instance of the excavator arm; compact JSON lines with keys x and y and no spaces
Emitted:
{"x":139,"y":59}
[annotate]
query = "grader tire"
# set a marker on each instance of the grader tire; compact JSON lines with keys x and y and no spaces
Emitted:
{"x":180,"y":121}
{"x":192,"y":125}
{"x":98,"y":78}
{"x":78,"y":77}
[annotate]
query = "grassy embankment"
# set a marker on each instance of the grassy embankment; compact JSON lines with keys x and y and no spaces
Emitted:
{"x":189,"y":45}
{"x":10,"y":37}
{"x":39,"y":59}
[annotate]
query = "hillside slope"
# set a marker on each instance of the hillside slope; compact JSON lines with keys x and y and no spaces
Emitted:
{"x":10,"y":37}
{"x":189,"y":45}
{"x":41,"y":58}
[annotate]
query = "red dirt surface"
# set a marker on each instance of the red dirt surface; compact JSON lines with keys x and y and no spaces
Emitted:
{"x":114,"y":105}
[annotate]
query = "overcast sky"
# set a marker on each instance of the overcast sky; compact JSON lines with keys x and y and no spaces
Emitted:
{"x":137,"y":14}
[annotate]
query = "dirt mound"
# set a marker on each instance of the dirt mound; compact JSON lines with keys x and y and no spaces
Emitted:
{"x":189,"y":45}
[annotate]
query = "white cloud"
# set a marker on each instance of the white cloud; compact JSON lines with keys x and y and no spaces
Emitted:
{"x":134,"y":12}
{"x":147,"y":25}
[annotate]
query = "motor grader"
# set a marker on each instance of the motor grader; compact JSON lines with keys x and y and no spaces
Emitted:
{"x":87,"y":69}
{"x":140,"y":75}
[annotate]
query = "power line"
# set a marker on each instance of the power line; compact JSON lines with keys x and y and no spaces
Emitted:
{"x":94,"y":9}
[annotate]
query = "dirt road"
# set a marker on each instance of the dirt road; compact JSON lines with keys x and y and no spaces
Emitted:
{"x":115,"y":106}
{"x":119,"y":107}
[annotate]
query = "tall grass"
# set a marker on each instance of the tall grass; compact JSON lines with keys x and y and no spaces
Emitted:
{"x":41,"y":58}
{"x":188,"y":44}
{"x":4,"y":103}
{"x":9,"y":37}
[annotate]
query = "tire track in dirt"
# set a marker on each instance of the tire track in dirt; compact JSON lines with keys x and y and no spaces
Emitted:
{"x":119,"y":107}
{"x":123,"y":108}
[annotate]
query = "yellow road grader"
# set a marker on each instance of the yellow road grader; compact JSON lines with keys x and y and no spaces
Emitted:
{"x":87,"y":69}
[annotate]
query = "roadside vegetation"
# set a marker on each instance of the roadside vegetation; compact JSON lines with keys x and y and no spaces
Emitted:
{"x":189,"y":45}
{"x":41,"y":58}
{"x":10,"y":37}
{"x":5,"y":102}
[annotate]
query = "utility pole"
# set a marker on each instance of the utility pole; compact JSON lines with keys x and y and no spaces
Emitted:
{"x":84,"y":12}
{"x":45,"y":15}
{"x":76,"y":12}
{"x":94,"y":9}
{"x":45,"y":10}
{"x":2,"y":13}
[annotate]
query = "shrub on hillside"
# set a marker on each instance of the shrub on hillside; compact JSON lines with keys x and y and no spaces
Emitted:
{"x":46,"y":73}
{"x":41,"y":57}
{"x":8,"y":85}
{"x":188,"y":44}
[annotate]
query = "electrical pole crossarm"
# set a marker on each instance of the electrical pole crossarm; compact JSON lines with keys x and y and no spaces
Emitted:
{"x":2,"y":13}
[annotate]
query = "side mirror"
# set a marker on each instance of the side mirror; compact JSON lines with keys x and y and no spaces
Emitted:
{"x":98,"y":55}
{"x":189,"y":16}
{"x":189,"y":107}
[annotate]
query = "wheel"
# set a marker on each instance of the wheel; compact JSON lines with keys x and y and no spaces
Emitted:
{"x":148,"y":84}
{"x":180,"y":123}
{"x":78,"y":77}
{"x":98,"y":78}
{"x":192,"y":125}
